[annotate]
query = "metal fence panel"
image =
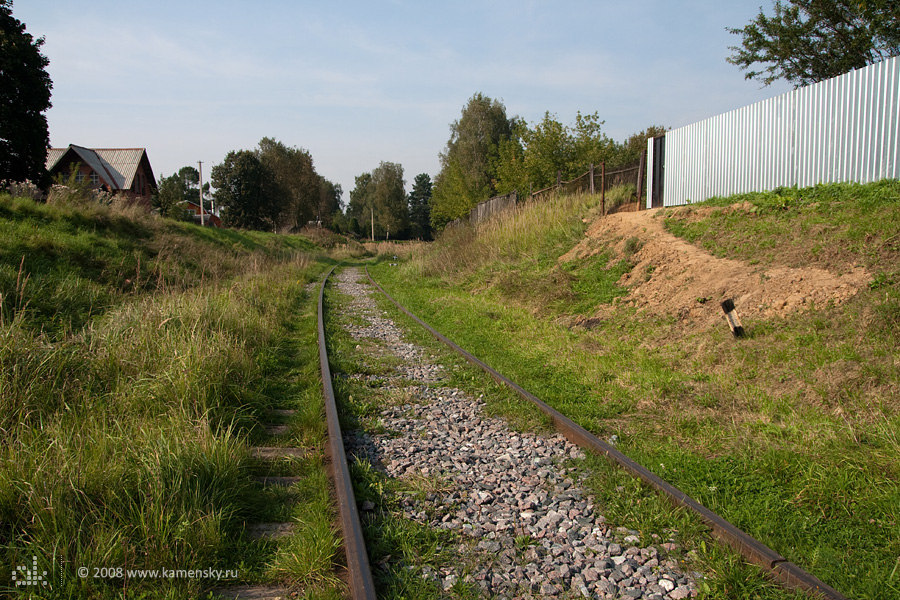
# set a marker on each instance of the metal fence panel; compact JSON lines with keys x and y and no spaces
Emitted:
{"x":839,"y":130}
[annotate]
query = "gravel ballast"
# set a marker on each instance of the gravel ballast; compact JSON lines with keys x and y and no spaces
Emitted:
{"x":525,"y":526}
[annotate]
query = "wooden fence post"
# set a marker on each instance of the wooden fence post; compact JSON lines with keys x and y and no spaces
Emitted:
{"x":603,"y":188}
{"x":558,"y":179}
{"x":592,"y":178}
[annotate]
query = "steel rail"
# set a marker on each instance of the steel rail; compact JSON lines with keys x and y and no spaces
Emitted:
{"x":788,"y":573}
{"x":362,"y":585}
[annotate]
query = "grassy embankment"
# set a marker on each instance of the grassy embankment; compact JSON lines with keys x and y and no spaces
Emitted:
{"x":138,"y":359}
{"x":790,"y":433}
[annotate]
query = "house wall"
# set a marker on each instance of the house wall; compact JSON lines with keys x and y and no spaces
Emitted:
{"x":65,"y":167}
{"x":142,"y":189}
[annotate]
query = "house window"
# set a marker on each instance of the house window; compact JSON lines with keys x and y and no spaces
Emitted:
{"x":95,"y":179}
{"x":79,"y":177}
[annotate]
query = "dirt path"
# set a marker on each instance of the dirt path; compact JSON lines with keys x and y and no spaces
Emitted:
{"x":673,"y":277}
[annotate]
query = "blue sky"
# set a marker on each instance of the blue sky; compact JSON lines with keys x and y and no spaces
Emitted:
{"x":357,"y":83}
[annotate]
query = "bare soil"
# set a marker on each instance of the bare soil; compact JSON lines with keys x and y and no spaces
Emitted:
{"x":672,"y":277}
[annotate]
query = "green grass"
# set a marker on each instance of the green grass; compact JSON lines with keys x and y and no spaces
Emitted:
{"x":127,"y":414}
{"x":787,"y":433}
{"x":79,"y":262}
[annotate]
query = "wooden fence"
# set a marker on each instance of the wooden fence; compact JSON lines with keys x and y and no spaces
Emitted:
{"x":596,"y":180}
{"x":488,"y":208}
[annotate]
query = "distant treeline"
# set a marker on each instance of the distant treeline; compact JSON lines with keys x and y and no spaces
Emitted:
{"x":270,"y":188}
{"x":276,"y":188}
{"x":380,"y":207}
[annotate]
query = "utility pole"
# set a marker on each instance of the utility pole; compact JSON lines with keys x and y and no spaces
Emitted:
{"x":372,"y":207}
{"x":202,"y":219}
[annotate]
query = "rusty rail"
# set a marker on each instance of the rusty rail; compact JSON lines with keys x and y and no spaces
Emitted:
{"x":789,"y":574}
{"x":362,"y":585}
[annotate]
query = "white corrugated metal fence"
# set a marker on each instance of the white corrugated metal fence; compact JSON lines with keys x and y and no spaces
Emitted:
{"x":843,"y":129}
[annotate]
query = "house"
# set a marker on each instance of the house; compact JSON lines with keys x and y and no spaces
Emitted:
{"x":117,"y":170}
{"x":211,"y":219}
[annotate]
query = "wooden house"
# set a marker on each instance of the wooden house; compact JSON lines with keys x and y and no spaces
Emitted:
{"x":117,"y":170}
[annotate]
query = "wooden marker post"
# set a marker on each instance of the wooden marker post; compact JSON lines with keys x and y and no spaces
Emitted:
{"x":737,"y":329}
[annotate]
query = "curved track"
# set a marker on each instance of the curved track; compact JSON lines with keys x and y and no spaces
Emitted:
{"x":791,"y":575}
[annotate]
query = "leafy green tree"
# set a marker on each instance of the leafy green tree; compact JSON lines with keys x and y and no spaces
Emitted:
{"x":169,"y":196}
{"x":636,"y":143}
{"x":420,"y":207}
{"x":549,"y":151}
{"x":353,"y":226}
{"x":329,"y":201}
{"x":807,"y":41}
{"x":190,"y":179}
{"x":340,"y":223}
{"x":379,"y":201}
{"x":278,"y":189}
{"x":362,"y":204}
{"x":24,"y":98}
{"x":295,"y":187}
{"x":174,"y":191}
{"x":533,"y":157}
{"x":391,"y":207}
{"x":451,"y":198}
{"x":467,"y":164}
{"x":243,"y":191}
{"x":590,"y":146}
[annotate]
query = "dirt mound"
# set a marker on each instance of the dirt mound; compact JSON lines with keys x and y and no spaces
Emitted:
{"x":673,"y":277}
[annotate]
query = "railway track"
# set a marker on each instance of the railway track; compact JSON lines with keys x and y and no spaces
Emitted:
{"x":524,"y":524}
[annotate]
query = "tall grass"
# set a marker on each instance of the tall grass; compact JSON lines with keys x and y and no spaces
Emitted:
{"x":122,"y":445}
{"x":530,"y":233}
{"x":126,"y":418}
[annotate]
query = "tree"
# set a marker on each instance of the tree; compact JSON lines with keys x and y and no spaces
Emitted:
{"x":533,"y":157}
{"x":468,"y":162}
{"x":175,"y":190}
{"x":807,"y":41}
{"x":24,"y":97}
{"x":549,"y":150}
{"x":169,"y":196}
{"x":378,"y":201}
{"x":329,"y":205}
{"x":295,"y":187}
{"x":362,"y":204}
{"x":243,"y":191}
{"x":590,"y":146}
{"x":420,"y":207}
{"x":636,"y":143}
{"x":391,"y":208}
{"x":273,"y":187}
